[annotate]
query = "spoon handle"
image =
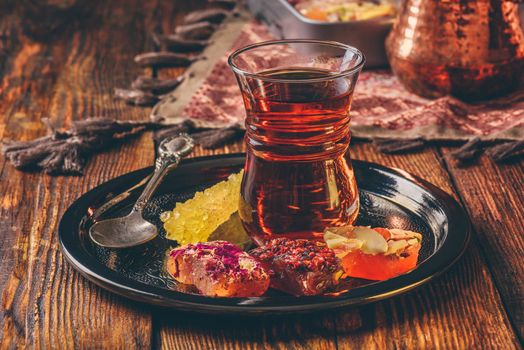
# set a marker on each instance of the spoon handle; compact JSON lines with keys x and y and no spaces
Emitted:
{"x":170,"y":151}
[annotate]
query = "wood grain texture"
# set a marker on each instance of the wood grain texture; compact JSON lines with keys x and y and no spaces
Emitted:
{"x":460,"y":310}
{"x":494,"y":197}
{"x":20,"y":71}
{"x":44,"y":303}
{"x":185,"y":331}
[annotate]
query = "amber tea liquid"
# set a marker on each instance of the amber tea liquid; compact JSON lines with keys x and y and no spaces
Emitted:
{"x":298,"y":177}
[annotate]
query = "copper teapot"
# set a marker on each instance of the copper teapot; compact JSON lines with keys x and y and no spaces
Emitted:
{"x":471,"y":49}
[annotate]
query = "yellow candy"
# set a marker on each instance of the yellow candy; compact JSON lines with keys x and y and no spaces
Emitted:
{"x":195,"y":219}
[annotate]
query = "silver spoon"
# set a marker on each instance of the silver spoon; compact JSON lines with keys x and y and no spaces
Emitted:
{"x":133,"y":229}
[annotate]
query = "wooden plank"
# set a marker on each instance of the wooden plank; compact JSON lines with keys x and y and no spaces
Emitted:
{"x":44,"y":302}
{"x":17,"y":120}
{"x":63,"y":305}
{"x":189,"y":331}
{"x":460,"y":310}
{"x":13,"y":257}
{"x":178,"y":330}
{"x":63,"y":308}
{"x":494,"y":197}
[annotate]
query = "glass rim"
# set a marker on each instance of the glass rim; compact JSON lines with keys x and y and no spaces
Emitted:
{"x":360,"y":62}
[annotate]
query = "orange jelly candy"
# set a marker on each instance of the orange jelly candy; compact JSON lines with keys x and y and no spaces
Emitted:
{"x":374,"y":254}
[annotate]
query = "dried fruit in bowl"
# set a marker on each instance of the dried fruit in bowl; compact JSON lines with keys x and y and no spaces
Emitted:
{"x":344,"y":10}
{"x":299,"y":267}
{"x":374,"y":253}
{"x":218,"y":269}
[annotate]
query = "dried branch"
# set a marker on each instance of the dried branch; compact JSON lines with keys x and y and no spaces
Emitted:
{"x":66,"y":152}
{"x":469,"y":151}
{"x":156,"y":86}
{"x":392,"y":146}
{"x":136,"y":97}
{"x":506,"y":151}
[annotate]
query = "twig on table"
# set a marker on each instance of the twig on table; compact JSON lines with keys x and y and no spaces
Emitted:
{"x":469,"y":151}
{"x":164,"y":59}
{"x":136,"y":97}
{"x":392,"y":146}
{"x":156,"y":86}
{"x":196,"y":31}
{"x":506,"y":151}
{"x":187,"y":127}
{"x":66,"y":152}
{"x":214,"y":138}
{"x":211,"y":15}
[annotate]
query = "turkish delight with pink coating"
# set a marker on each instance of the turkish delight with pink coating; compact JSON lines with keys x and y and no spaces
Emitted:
{"x":218,"y":269}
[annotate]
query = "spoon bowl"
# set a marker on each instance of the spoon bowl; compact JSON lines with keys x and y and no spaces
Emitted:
{"x":132,"y":229}
{"x":127,"y":231}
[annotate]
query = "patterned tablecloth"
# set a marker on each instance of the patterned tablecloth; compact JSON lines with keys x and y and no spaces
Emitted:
{"x":381,"y":107}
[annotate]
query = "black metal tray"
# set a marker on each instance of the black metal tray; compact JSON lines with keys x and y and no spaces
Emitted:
{"x":389,"y":198}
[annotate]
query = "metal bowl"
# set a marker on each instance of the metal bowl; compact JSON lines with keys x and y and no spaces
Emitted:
{"x":285,"y":22}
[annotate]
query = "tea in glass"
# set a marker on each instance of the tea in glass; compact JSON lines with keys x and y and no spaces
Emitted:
{"x":298,"y":177}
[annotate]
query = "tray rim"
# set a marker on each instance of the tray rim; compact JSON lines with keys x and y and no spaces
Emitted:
{"x":142,"y":292}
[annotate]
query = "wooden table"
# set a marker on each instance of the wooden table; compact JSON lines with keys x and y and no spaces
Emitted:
{"x":45,"y":303}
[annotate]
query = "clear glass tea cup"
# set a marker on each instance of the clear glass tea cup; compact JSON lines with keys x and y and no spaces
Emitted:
{"x":298,"y":177}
